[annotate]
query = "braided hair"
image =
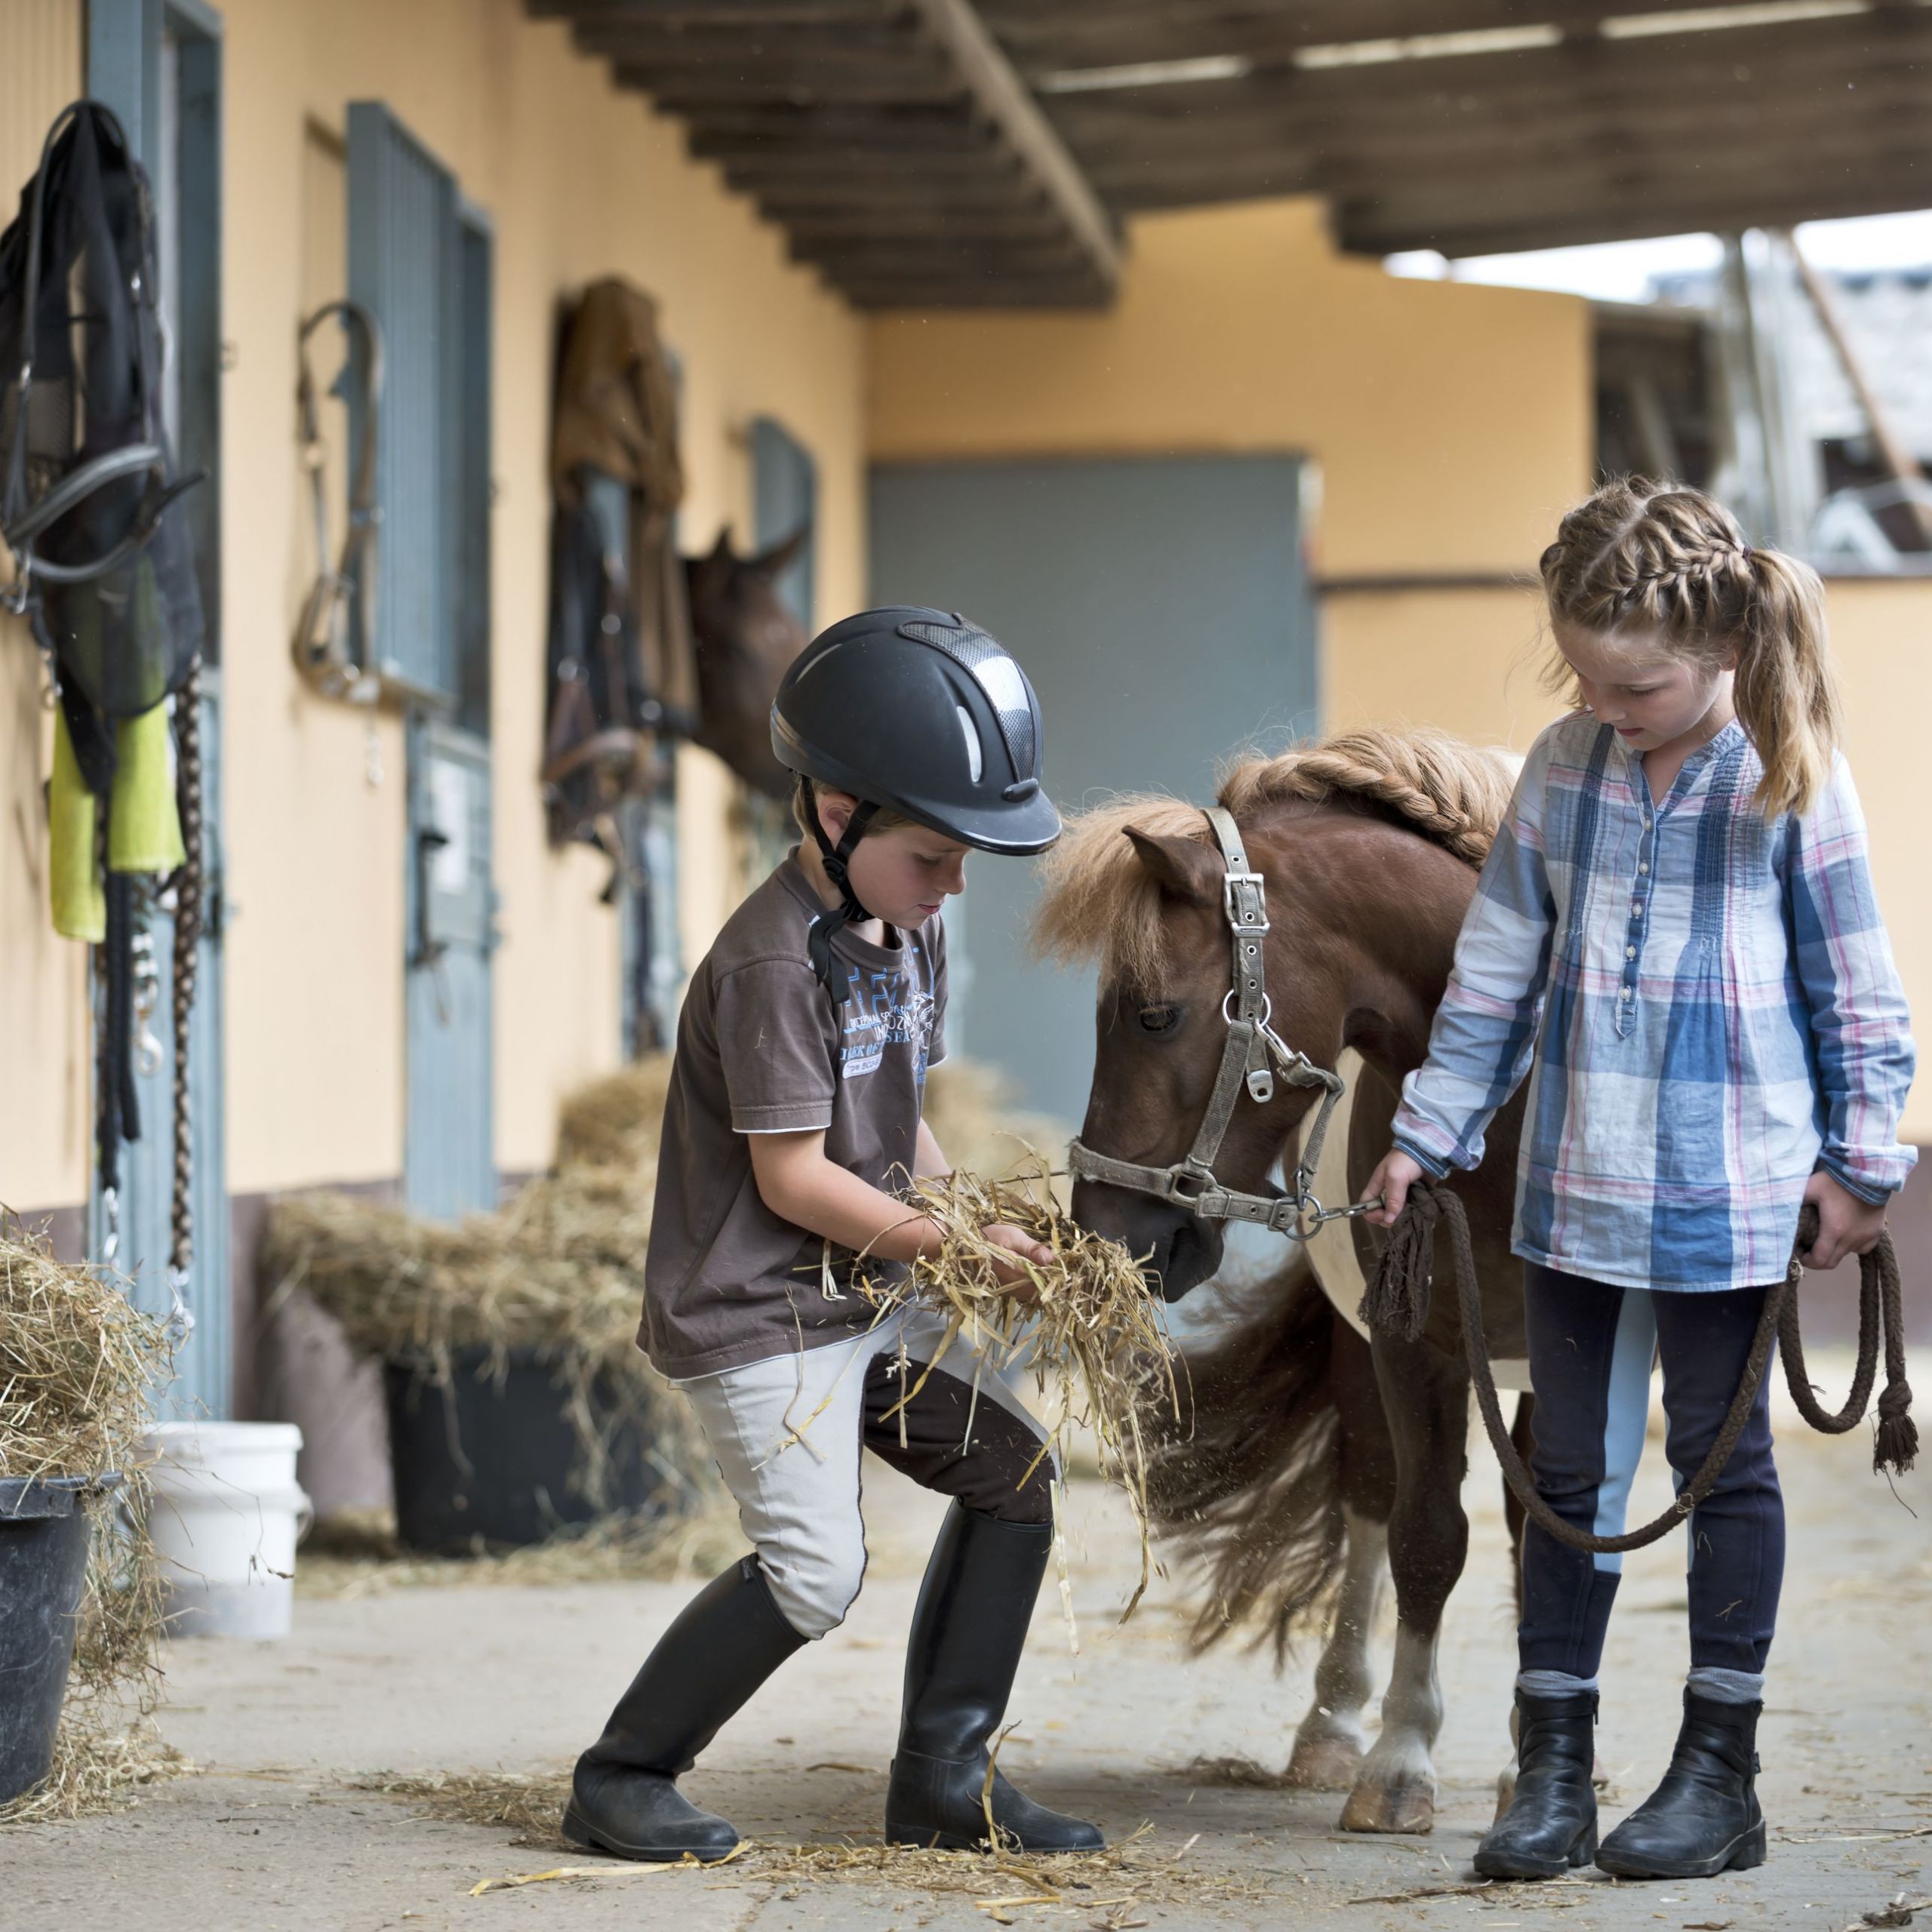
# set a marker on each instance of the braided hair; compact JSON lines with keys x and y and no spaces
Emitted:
{"x":1656,"y":565}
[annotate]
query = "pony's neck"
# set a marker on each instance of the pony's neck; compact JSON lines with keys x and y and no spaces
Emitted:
{"x":1376,"y":911}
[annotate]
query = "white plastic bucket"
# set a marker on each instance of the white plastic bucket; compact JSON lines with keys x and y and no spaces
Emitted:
{"x":227,"y":1511}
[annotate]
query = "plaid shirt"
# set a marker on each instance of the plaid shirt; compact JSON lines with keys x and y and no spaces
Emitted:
{"x":1710,"y":1002}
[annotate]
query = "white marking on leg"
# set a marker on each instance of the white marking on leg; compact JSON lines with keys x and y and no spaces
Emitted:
{"x":1396,"y":1791}
{"x":1330,"y":1740}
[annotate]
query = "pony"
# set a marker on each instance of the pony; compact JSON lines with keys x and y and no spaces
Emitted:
{"x":1311,"y":1456}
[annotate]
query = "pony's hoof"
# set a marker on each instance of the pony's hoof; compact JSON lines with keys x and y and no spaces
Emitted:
{"x":1506,"y":1790}
{"x":1407,"y":1807}
{"x":1324,"y":1764}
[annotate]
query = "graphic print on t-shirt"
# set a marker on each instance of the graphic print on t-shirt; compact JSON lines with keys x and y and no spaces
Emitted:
{"x":886,"y":1009}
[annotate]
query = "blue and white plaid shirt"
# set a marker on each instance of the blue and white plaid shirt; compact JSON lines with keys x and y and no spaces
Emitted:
{"x":1710,"y":1001}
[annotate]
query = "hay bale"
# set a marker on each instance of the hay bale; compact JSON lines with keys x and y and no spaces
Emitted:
{"x":616,"y":1121}
{"x":974,"y":1116}
{"x":80,"y":1367}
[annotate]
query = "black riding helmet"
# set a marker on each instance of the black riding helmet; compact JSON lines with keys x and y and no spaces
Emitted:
{"x":923,"y":713}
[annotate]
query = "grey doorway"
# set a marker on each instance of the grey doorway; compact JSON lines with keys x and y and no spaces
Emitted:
{"x":1161,"y":608}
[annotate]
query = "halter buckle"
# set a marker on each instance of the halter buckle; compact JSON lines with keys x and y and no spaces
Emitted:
{"x":1245,"y":899}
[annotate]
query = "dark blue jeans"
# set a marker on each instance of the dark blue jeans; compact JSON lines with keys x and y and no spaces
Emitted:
{"x":1590,"y":1347}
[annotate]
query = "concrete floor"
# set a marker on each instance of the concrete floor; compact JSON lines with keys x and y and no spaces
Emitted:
{"x":273,"y":1835}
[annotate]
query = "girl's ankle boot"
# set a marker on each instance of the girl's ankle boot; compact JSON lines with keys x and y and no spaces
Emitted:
{"x":1551,"y":1825}
{"x":727,"y":1641}
{"x":1704,"y":1818}
{"x":968,"y":1632}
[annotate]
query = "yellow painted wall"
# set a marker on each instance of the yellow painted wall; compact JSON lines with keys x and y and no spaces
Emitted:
{"x":43,"y":1111}
{"x":579,"y":181}
{"x":1453,"y":423}
{"x":1881,"y":634}
{"x":1465,"y":661}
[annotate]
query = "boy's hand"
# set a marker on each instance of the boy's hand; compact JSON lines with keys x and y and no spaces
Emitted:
{"x":1846,"y":1224}
{"x":1012,"y":1276}
{"x":1392,"y":1180}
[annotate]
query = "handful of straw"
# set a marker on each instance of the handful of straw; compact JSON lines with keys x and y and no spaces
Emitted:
{"x":1090,"y":1331}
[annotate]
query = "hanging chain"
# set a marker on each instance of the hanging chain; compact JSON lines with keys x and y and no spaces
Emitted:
{"x":187,"y":883}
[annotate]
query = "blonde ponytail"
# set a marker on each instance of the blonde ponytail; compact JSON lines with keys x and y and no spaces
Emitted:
{"x":1786,"y":690}
{"x":1673,"y":564}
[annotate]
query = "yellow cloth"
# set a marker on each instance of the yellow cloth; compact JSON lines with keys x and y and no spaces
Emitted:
{"x":143,"y":822}
{"x":80,"y":904}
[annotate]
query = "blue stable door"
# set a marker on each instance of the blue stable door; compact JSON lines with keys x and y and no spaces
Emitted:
{"x":1161,"y":607}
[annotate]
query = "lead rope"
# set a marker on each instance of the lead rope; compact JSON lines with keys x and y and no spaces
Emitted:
{"x":1397,"y":1304}
{"x":187,"y":884}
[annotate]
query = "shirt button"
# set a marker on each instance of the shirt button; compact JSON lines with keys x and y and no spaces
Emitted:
{"x":1643,"y":865}
{"x":1629,"y":952}
{"x":1624,"y":994}
{"x":1637,"y":909}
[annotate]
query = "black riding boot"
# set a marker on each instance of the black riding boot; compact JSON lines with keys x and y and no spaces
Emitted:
{"x":1703,"y":1818}
{"x":727,"y":1641}
{"x":967,"y":1633}
{"x":1551,"y":1825}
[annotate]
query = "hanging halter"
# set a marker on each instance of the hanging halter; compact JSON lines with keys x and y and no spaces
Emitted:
{"x":832,"y":973}
{"x":1253,"y":1055}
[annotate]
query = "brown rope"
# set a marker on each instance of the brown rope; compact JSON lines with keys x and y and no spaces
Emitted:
{"x":187,"y":884}
{"x":1397,"y":1304}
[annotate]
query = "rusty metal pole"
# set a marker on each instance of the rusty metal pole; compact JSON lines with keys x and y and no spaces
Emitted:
{"x":1892,"y":449}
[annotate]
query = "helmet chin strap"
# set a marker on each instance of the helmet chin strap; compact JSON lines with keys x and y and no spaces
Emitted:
{"x":832,"y":974}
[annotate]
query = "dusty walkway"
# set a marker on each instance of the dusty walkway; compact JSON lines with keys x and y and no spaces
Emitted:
{"x":275,"y":1835}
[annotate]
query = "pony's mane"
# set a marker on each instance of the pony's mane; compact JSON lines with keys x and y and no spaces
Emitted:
{"x":1100,"y":902}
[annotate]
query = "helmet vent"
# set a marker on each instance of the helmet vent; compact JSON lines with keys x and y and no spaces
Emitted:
{"x":975,"y":765}
{"x":986,"y":661}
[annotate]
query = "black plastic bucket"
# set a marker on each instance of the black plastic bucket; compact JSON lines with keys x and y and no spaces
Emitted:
{"x":43,"y":1533}
{"x":487,"y":1462}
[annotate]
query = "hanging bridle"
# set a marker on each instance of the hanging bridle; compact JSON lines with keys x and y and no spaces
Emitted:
{"x":1254,"y":1054}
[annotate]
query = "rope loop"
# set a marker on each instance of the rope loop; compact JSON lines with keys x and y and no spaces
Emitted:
{"x":1397,"y":1304}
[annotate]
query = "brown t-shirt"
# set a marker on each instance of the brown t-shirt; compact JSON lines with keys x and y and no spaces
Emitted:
{"x":761,"y":1049}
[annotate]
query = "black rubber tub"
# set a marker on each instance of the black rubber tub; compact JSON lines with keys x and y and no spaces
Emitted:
{"x":43,"y":1533}
{"x":486,"y":1463}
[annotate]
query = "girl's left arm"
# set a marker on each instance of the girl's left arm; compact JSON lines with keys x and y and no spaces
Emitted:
{"x":1860,"y":1030}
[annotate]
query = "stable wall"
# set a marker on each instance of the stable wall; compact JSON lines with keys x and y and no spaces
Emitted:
{"x":44,"y":1054}
{"x":1452,"y":423}
{"x":578,"y":181}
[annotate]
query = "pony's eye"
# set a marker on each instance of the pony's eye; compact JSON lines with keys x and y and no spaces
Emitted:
{"x":1159,"y":1019}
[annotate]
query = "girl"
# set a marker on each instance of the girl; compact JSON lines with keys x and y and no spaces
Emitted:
{"x":1677,"y":926}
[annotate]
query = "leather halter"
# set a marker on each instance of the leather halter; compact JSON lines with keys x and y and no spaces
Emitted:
{"x":1254,"y":1054}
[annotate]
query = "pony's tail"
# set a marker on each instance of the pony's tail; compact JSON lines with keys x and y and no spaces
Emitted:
{"x":1246,"y":1482}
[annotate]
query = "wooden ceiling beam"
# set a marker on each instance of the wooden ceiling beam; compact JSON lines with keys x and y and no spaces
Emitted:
{"x":735,"y":48}
{"x":1465,"y":90}
{"x":673,"y":14}
{"x":1106,"y":33}
{"x":1678,"y":145}
{"x":1391,"y":225}
{"x":892,"y":225}
{"x":695,"y":95}
{"x":1008,"y":105}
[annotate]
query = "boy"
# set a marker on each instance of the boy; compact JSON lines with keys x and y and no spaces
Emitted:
{"x":795,"y":1102}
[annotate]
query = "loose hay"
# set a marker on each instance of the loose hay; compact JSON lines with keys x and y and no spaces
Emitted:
{"x":558,"y":1272}
{"x":1135,"y":1872}
{"x":79,"y":1365}
{"x":1091,"y":1333}
{"x":355,"y":1554}
{"x":616,"y":1121}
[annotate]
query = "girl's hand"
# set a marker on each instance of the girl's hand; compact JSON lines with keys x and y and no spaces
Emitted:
{"x":1014,"y":1278}
{"x":1392,"y":1180}
{"x":1846,"y":1224}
